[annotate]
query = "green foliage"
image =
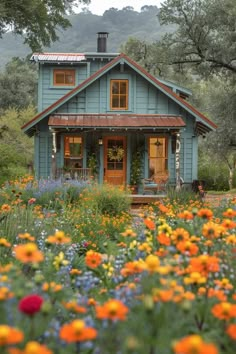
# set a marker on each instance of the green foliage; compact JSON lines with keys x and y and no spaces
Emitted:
{"x":136,"y":168}
{"x":18,"y":84}
{"x":14,"y":160}
{"x":109,"y":200}
{"x":36,"y":20}
{"x":214,"y":173}
{"x":204,"y":35}
{"x":183,"y":196}
{"x":93,"y":164}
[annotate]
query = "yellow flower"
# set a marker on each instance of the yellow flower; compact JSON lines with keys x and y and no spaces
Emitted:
{"x":60,"y":261}
{"x":195,"y":278}
{"x":152,"y":263}
{"x":164,"y":228}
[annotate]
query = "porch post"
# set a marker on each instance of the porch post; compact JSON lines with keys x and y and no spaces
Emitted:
{"x":177,"y":162}
{"x":54,"y":151}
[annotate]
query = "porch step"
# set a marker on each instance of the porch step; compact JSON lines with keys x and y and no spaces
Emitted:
{"x":142,"y":199}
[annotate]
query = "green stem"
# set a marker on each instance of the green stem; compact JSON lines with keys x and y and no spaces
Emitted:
{"x":32,"y":328}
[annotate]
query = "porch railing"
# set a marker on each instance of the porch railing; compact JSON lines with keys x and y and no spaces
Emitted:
{"x":80,"y":174}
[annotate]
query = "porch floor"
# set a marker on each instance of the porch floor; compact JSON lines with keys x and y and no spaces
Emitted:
{"x":143,"y":199}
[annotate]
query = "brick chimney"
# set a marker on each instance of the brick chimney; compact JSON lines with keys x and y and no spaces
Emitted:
{"x":102,"y":42}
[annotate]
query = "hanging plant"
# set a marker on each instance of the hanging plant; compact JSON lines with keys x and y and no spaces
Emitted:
{"x":116,"y":153}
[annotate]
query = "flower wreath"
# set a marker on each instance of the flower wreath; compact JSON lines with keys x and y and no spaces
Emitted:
{"x":116,"y":153}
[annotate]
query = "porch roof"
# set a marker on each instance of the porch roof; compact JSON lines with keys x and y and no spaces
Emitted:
{"x":126,"y":121}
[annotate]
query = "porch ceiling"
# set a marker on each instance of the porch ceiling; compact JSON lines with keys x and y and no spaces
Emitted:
{"x":127,"y":121}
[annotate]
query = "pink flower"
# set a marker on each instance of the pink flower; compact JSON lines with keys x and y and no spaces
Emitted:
{"x":31,"y":201}
{"x":30,"y":304}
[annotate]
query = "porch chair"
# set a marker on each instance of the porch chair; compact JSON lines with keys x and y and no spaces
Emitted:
{"x":155,"y":184}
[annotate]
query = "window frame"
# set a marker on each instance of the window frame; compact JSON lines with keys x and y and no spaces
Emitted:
{"x":64,"y":71}
{"x":119,"y":95}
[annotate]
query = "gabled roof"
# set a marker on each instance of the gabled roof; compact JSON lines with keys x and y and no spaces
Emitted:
{"x":122,"y":58}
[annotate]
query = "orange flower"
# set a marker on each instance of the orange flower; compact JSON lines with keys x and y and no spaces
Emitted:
{"x":187,"y":247}
{"x":205,"y":264}
{"x":76,"y":331}
{"x":224,"y":310}
{"x":224,"y":283}
{"x":51,"y":287}
{"x":5,"y":207}
{"x":31,"y":348}
{"x":5,"y":293}
{"x":58,"y":237}
{"x":113,"y":309}
{"x":145,"y":247}
{"x":194,"y":344}
{"x":211,"y":230}
{"x":228,"y":224}
{"x":229,"y":213}
{"x":150,"y":224}
{"x":218,"y":294}
{"x":4,"y":242}
{"x":28,"y":253}
{"x":93,"y":259}
{"x":10,"y":335}
{"x":179,"y":234}
{"x":26,"y":236}
{"x":231,"y":331}
{"x":129,"y":233}
{"x":163,"y":208}
{"x":132,"y":268}
{"x":74,"y":307}
{"x":186,"y":215}
{"x":205,"y":213}
{"x":163,"y":239}
{"x":163,"y":295}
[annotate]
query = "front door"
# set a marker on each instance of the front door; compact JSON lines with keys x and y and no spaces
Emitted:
{"x":115,"y":160}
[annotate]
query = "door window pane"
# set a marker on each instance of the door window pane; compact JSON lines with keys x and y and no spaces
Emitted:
{"x":158,"y":156}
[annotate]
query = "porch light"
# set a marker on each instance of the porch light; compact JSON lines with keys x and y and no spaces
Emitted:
{"x":100,"y":141}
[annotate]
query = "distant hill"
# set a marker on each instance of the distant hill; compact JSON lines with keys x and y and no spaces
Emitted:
{"x":81,"y":36}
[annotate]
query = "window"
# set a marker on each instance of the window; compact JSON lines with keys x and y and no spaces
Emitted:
{"x":63,"y":77}
{"x":119,"y":94}
{"x":158,"y":156}
{"x":73,"y":151}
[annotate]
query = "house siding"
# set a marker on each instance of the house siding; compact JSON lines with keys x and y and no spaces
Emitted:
{"x":144,"y":98}
{"x":48,"y":93}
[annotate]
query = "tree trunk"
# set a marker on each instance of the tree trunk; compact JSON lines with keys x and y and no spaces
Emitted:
{"x":231,"y":174}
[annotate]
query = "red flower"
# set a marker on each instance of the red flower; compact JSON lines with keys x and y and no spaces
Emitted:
{"x":30,"y":304}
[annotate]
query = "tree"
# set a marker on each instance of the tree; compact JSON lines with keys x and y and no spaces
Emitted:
{"x":36,"y":20}
{"x":205,"y":35}
{"x":218,"y":98}
{"x":18,"y":84}
{"x":14,"y":160}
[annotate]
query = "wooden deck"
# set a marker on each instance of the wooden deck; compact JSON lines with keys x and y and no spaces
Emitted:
{"x":143,"y":199}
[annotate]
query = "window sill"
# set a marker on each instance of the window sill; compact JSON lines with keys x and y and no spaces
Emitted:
{"x":62,"y":87}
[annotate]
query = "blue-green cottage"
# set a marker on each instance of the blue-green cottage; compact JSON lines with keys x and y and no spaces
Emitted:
{"x":98,"y":111}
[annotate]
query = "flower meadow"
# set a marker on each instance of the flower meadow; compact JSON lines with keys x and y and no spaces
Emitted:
{"x":81,"y":273}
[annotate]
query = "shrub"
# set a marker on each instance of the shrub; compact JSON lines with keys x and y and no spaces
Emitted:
{"x":110,"y":200}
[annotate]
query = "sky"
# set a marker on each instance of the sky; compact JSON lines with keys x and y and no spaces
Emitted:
{"x":98,"y":7}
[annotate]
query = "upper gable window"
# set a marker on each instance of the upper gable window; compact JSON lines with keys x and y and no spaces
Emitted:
{"x":64,"y":77}
{"x":119,"y":94}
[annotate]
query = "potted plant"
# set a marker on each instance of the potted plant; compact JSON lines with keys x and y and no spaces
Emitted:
{"x":136,"y":171}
